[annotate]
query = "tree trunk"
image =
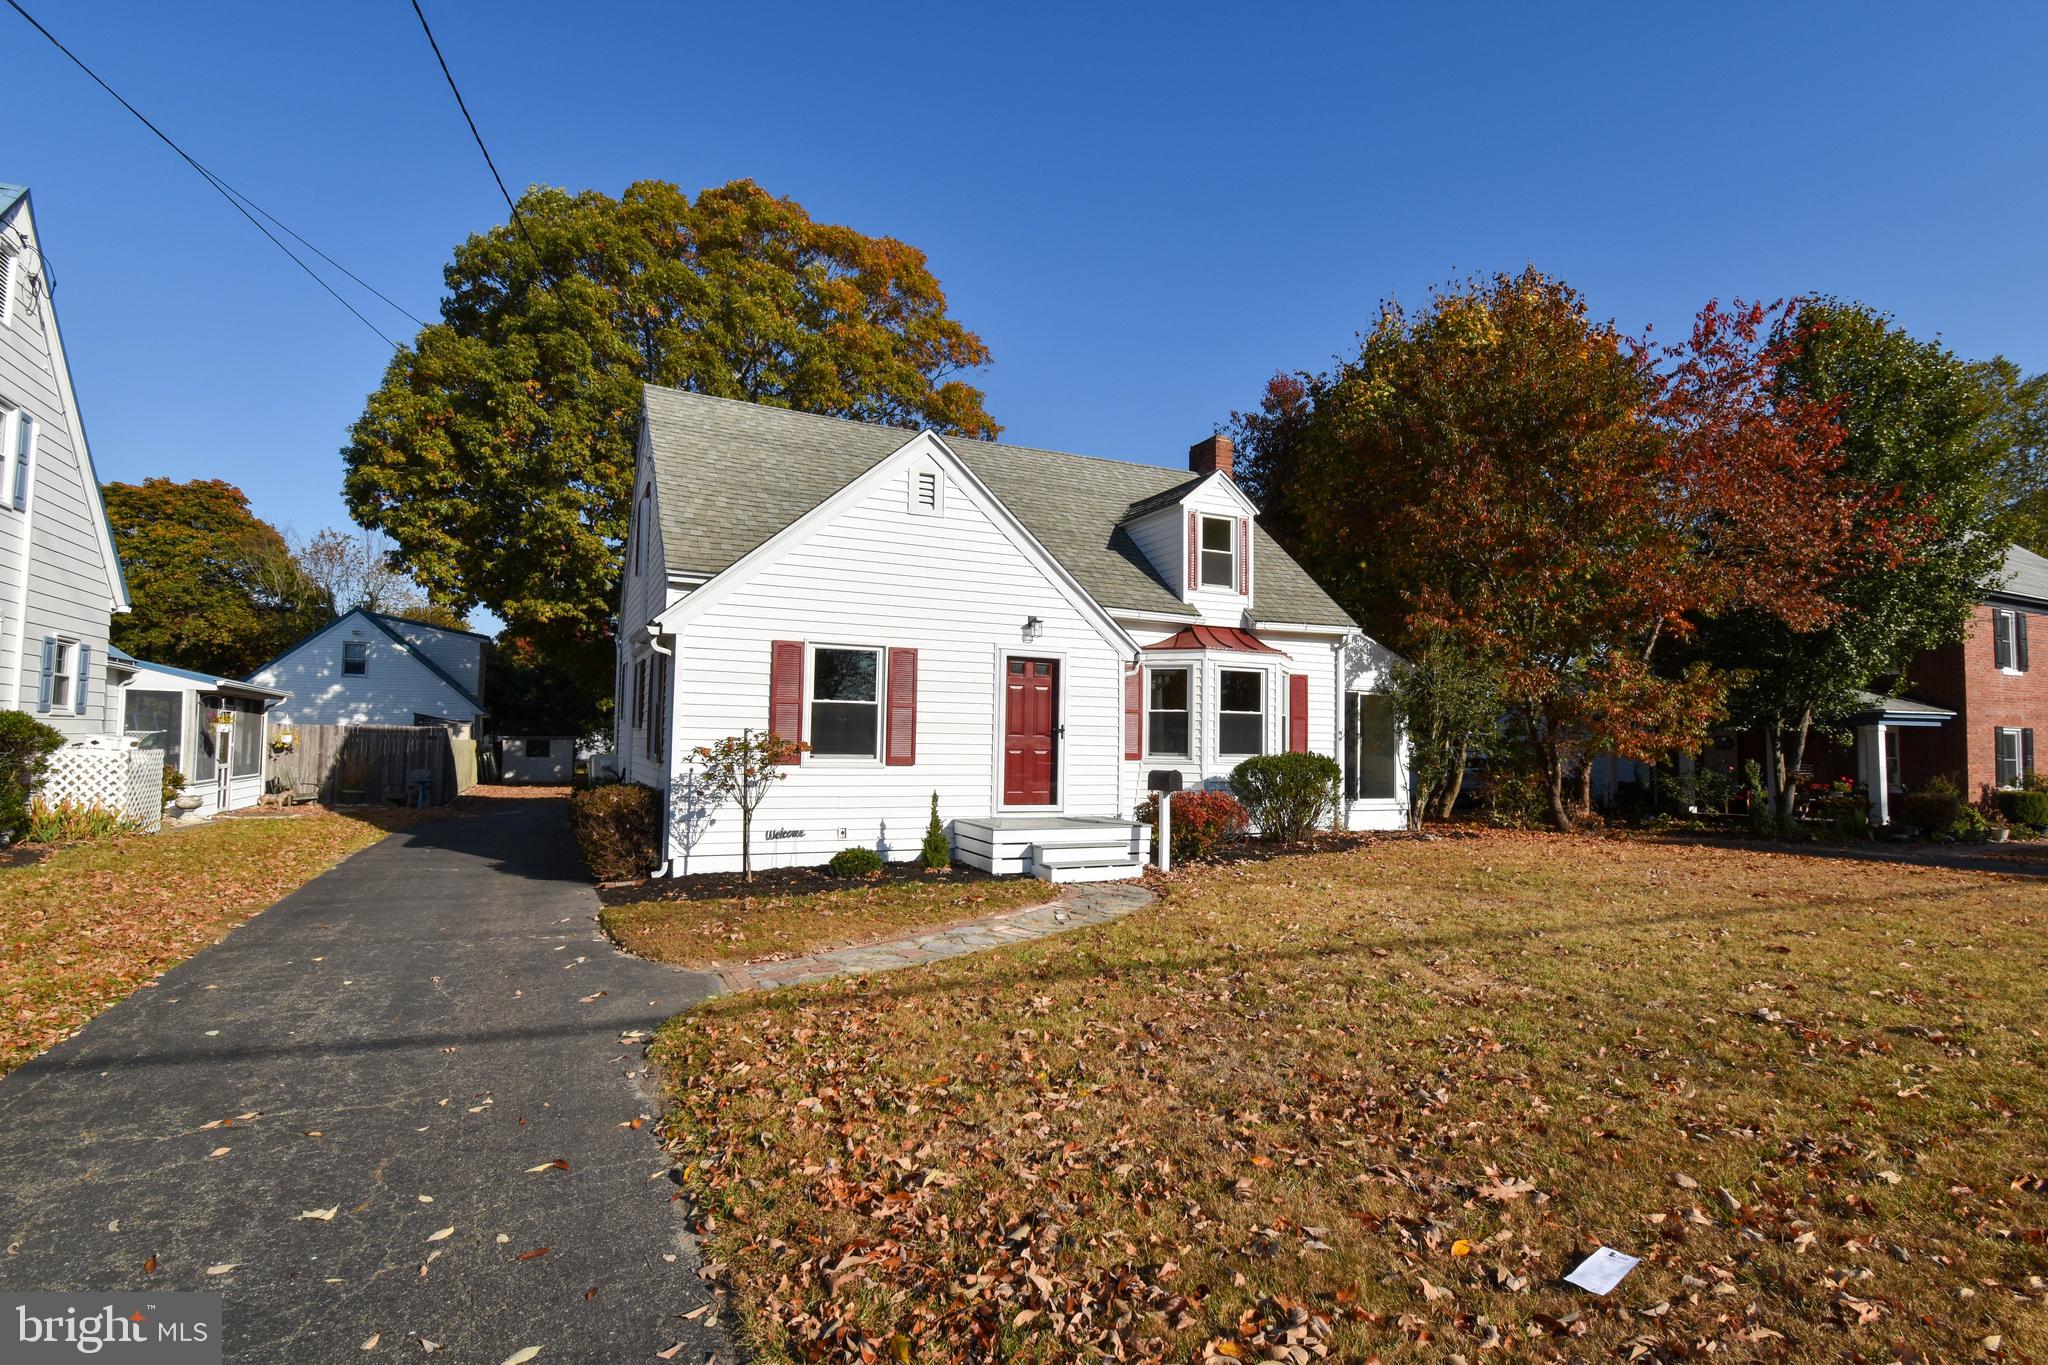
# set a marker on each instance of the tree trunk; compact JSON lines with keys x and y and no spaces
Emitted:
{"x":1800,"y":734}
{"x":746,"y":842}
{"x":1553,"y":773}
{"x":1455,"y":782}
{"x":1586,"y":786}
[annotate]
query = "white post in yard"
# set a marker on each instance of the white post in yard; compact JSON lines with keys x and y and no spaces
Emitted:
{"x":1165,"y":835}
{"x":1875,"y":775}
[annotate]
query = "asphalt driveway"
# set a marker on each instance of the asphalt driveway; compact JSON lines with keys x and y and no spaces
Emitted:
{"x":403,"y":1041}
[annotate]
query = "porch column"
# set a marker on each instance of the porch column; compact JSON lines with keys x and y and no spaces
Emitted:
{"x":1870,"y":760}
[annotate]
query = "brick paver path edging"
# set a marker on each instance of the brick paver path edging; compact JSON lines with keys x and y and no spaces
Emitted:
{"x":1077,"y":907}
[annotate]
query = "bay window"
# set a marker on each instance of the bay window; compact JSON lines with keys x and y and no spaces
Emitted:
{"x":1166,"y":713}
{"x":1240,"y":712}
{"x":846,"y":703}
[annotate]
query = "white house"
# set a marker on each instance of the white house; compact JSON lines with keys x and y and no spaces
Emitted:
{"x":59,"y":577}
{"x":368,"y":668}
{"x":179,"y":713}
{"x":1031,"y":635}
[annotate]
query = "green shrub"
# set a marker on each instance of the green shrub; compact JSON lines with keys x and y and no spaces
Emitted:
{"x":25,"y":748}
{"x":615,"y":827}
{"x":1846,"y":814}
{"x":174,"y":783}
{"x":1970,"y":827}
{"x":2028,"y":808}
{"x":937,"y":853}
{"x":855,"y":862}
{"x":1931,"y":811}
{"x":71,"y":822}
{"x":1288,"y":796}
{"x":1201,"y":821}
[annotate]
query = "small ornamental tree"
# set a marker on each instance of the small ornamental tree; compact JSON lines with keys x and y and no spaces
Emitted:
{"x":743,"y":768}
{"x":25,"y":748}
{"x":937,"y":853}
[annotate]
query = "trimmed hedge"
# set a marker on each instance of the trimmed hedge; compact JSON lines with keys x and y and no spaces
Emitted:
{"x":1288,"y":796}
{"x":1201,"y":821}
{"x":1931,"y":812}
{"x":855,"y":862}
{"x":2025,"y":808}
{"x":615,"y":827}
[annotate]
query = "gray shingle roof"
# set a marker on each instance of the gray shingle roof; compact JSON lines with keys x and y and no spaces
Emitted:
{"x":2025,"y":575}
{"x":733,"y":474}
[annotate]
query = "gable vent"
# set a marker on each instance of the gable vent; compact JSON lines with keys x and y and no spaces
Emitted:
{"x":924,"y":492}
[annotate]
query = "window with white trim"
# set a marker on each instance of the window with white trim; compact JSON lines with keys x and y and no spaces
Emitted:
{"x":64,"y":677}
{"x":1219,"y":552}
{"x":1167,"y":732}
{"x":1240,"y":712}
{"x":2010,"y":758}
{"x":2008,"y":641}
{"x":846,"y":702}
{"x":355,"y":657}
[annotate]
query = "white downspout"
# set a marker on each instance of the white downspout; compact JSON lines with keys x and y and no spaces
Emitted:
{"x":666,"y":866}
{"x":1337,"y":730}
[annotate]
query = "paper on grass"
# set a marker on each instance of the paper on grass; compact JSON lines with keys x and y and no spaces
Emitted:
{"x":1603,"y":1270}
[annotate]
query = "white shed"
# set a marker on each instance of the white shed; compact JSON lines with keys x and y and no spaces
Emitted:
{"x":537,"y":758}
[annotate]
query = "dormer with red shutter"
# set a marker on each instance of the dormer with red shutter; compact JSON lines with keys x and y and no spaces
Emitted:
{"x":1200,"y":536}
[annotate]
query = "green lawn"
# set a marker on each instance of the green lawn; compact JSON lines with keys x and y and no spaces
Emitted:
{"x":1379,"y":1102}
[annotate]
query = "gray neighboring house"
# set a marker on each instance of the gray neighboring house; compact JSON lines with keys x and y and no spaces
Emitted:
{"x":59,"y":577}
{"x":368,"y":668}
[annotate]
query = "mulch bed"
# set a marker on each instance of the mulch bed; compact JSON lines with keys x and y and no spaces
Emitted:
{"x":778,"y":882}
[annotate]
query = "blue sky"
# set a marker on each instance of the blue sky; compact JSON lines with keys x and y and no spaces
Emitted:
{"x":1144,"y":211}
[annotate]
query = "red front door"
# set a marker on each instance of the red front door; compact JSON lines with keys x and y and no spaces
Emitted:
{"x":1031,"y":726}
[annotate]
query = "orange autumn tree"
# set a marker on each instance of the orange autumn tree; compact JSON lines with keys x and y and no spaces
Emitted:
{"x":1560,"y":500}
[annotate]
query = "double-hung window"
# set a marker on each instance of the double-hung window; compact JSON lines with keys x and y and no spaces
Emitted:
{"x":355,"y":657}
{"x":1166,"y":713}
{"x":64,"y":675}
{"x":846,"y":702}
{"x":1240,"y":712}
{"x":2008,"y":640}
{"x":2012,"y":755}
{"x":1219,"y":552}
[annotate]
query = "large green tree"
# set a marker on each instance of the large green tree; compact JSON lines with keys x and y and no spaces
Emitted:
{"x":2015,"y":433}
{"x":213,"y":586}
{"x":498,"y":452}
{"x":1914,"y":422}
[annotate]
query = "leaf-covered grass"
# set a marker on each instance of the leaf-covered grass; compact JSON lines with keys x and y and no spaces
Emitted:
{"x":1379,"y":1102}
{"x":83,"y":925}
{"x":702,"y":921}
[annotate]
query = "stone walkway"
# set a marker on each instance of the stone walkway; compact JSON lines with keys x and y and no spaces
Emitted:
{"x":1079,"y":906}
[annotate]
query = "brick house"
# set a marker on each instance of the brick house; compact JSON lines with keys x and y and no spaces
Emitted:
{"x":1988,"y":681}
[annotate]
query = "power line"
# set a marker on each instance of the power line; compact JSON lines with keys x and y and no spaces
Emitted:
{"x":226,"y":191}
{"x":463,"y":105}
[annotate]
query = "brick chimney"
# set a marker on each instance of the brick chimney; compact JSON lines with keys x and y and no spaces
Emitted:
{"x":1211,"y":454}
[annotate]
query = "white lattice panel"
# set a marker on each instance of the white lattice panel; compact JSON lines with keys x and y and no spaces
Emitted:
{"x":130,"y":781}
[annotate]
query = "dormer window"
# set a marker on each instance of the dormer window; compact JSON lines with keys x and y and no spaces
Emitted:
{"x":1219,"y":552}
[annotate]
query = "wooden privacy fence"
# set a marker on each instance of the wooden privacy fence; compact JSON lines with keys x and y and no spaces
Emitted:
{"x":375,"y":763}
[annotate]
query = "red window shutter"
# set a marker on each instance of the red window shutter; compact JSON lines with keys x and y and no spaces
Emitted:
{"x":1194,"y":551}
{"x":901,"y":749}
{"x":1134,"y":713}
{"x":1297,"y":713}
{"x":1244,"y":554}
{"x":786,"y":692}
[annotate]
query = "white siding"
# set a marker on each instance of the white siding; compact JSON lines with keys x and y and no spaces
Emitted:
{"x":958,"y":590}
{"x":1162,"y":537}
{"x":643,"y":594}
{"x":459,"y":655}
{"x":53,"y":562}
{"x":392,"y":689}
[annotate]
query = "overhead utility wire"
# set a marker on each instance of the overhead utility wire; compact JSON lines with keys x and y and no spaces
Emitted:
{"x":463,"y":105}
{"x":226,"y":191}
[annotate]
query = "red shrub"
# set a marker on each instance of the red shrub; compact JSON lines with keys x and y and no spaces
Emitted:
{"x":1201,"y":821}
